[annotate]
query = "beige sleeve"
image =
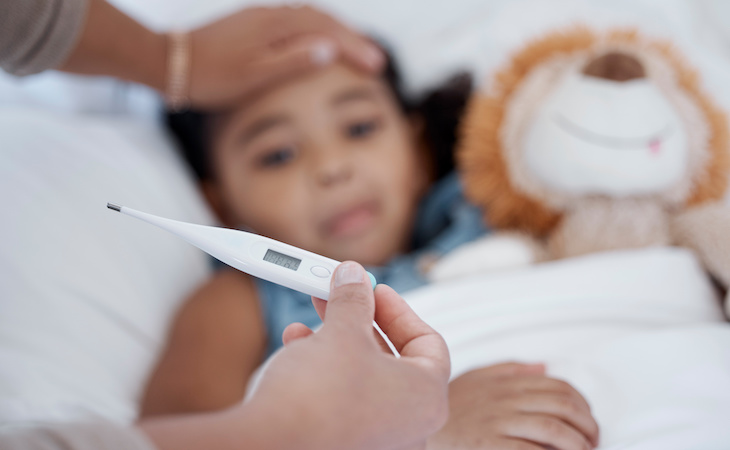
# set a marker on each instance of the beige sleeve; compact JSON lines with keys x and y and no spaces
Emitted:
{"x":73,"y":436}
{"x":36,"y":35}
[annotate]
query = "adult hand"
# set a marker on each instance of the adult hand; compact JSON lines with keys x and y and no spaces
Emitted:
{"x":336,"y":388}
{"x":257,"y":47}
{"x":515,"y":406}
{"x":230,"y":59}
{"x":340,"y":386}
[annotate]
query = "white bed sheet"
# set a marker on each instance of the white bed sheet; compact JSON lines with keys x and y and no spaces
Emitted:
{"x":639,"y":333}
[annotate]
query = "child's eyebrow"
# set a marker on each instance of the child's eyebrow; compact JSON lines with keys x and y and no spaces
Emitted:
{"x":262,"y":125}
{"x":357,"y":93}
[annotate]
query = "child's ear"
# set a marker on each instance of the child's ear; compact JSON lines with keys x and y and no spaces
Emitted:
{"x":213,"y":196}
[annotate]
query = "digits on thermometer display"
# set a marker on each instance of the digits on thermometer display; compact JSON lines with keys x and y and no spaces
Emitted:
{"x":282,"y":260}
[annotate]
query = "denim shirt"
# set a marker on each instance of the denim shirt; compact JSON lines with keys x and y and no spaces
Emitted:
{"x":444,"y":221}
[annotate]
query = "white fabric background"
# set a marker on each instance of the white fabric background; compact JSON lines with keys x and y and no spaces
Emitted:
{"x":86,"y":294}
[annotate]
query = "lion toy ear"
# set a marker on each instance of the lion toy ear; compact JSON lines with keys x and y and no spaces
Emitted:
{"x":587,"y":141}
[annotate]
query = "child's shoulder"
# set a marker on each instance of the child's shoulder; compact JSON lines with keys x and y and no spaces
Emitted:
{"x":227,"y":295}
{"x":229,"y":278}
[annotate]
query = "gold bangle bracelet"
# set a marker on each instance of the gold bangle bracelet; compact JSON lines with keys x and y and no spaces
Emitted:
{"x":178,"y":70}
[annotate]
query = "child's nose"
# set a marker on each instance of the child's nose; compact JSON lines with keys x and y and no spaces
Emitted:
{"x":334,"y":172}
{"x":334,"y":167}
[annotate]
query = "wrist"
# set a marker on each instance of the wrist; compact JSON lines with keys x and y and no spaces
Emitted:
{"x":269,"y":425}
{"x":280,"y":421}
{"x":238,"y":427}
{"x":152,"y":64}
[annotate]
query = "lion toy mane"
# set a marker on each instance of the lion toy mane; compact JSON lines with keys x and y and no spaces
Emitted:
{"x":590,"y":141}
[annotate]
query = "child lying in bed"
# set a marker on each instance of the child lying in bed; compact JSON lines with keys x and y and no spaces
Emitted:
{"x":339,"y":163}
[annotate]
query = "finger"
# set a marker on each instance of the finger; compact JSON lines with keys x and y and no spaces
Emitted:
{"x":351,"y":303}
{"x":568,"y":408}
{"x":518,"y":444}
{"x":537,"y":384}
{"x":381,"y":341}
{"x":361,"y":52}
{"x":295,"y":331}
{"x":546,"y":431}
{"x":486,"y":438}
{"x":356,"y":49}
{"x":320,"y":306}
{"x":410,"y":335}
{"x":512,"y":369}
{"x":300,"y":53}
{"x":418,"y":446}
{"x":274,"y":65}
{"x":352,"y":49}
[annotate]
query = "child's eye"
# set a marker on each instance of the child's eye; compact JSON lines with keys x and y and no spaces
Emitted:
{"x":277,"y":157}
{"x":360,"y":130}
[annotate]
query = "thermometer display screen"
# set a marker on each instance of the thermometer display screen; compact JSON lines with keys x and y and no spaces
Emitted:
{"x":282,"y":260}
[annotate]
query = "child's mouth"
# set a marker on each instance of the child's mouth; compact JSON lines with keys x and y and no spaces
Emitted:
{"x":351,"y":221}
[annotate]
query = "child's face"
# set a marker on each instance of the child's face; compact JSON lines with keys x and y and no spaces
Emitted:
{"x":327,"y":162}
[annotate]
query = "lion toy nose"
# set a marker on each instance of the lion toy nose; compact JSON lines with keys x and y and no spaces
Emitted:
{"x":615,"y":66}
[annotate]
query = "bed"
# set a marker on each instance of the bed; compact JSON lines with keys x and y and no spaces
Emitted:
{"x":641,"y":334}
{"x":86,"y":295}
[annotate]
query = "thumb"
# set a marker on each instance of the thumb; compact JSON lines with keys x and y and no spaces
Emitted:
{"x":351,"y":301}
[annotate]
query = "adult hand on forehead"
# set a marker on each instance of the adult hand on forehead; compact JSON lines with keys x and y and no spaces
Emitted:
{"x":259,"y":47}
{"x":227,"y":60}
{"x":340,"y":387}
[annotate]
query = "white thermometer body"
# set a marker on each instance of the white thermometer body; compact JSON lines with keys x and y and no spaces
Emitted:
{"x":259,"y":256}
{"x":255,"y":255}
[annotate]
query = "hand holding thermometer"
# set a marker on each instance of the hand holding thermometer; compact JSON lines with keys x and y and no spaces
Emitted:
{"x":256,"y":255}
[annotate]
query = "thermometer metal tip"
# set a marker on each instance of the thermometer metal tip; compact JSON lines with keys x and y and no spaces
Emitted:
{"x":114,"y":207}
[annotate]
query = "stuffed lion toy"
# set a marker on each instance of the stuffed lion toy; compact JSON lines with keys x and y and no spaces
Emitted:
{"x":592,"y":141}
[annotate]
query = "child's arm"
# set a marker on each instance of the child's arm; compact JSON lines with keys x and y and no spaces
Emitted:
{"x":515,"y":406}
{"x":217,"y":341}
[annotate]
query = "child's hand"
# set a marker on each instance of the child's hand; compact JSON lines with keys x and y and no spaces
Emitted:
{"x":515,"y":406}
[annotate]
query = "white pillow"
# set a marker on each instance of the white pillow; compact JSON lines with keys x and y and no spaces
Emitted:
{"x":86,"y":294}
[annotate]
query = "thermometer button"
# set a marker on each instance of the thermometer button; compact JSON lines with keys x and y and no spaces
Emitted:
{"x":320,"y":271}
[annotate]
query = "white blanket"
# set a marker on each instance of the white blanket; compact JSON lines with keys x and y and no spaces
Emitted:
{"x":639,"y":333}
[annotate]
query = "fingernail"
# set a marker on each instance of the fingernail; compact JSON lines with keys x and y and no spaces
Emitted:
{"x":323,"y":53}
{"x":348,"y":273}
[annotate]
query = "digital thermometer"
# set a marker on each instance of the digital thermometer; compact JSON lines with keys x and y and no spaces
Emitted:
{"x":255,"y":255}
